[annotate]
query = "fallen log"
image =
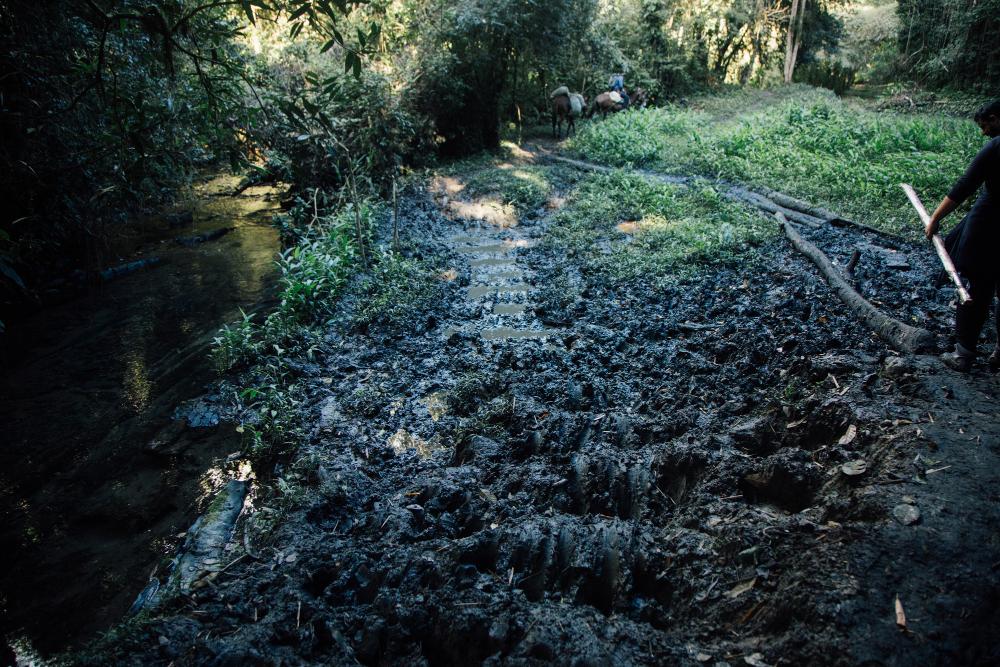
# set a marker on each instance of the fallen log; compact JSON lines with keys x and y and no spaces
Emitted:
{"x":127,"y":268}
{"x":820,"y":213}
{"x":763,"y":203}
{"x":900,"y":335}
{"x":202,"y":238}
{"x":788,"y":201}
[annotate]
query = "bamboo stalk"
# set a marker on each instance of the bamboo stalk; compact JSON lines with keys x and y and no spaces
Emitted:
{"x":942,"y":252}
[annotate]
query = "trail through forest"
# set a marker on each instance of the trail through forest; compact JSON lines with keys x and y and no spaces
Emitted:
{"x":554,"y":466}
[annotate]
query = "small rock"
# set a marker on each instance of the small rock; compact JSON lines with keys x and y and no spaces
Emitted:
{"x":906,"y":514}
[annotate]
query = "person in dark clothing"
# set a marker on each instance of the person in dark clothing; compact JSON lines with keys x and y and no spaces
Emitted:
{"x":974,"y":244}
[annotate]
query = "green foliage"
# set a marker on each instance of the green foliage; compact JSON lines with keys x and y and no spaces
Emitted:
{"x":236,"y":344}
{"x":951,"y":43}
{"x":813,"y":146}
{"x":524,"y":187}
{"x":633,"y":138}
{"x":472,"y":50}
{"x":108,"y":107}
{"x":668,"y":231}
{"x":313,"y":274}
{"x":332,"y":125}
{"x":869,"y":45}
{"x":396,"y":291}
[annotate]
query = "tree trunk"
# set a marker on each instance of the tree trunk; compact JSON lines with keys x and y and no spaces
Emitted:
{"x":899,"y":335}
{"x":793,"y":37}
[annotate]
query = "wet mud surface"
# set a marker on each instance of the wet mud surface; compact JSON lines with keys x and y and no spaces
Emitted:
{"x":106,"y":456}
{"x":550,"y":467}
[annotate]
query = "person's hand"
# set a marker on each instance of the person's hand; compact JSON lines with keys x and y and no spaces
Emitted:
{"x":932,"y":228}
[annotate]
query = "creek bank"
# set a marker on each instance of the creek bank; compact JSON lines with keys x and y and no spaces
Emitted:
{"x":704,"y":472}
{"x":100,"y":469}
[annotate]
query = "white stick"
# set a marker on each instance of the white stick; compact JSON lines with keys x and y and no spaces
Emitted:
{"x":949,"y":266}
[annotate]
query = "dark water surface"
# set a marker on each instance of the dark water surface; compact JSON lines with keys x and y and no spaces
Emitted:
{"x":96,"y":477}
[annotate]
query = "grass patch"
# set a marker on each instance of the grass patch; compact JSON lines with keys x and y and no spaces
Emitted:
{"x":313,"y":275}
{"x":520,"y":186}
{"x":633,"y":229}
{"x":396,"y":291}
{"x":802,"y":141}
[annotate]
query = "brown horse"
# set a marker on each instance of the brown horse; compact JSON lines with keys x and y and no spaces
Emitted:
{"x":606,"y":105}
{"x":562,"y":109}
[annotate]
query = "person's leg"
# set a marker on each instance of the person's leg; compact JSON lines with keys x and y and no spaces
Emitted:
{"x":994,"y":360}
{"x":969,"y":319}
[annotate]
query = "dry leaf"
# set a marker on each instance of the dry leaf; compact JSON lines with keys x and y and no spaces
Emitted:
{"x":740,"y":588}
{"x":849,"y":436}
{"x":854,"y":468}
{"x":900,"y":615}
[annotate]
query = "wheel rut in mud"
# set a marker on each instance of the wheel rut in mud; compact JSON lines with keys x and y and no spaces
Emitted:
{"x":550,"y":466}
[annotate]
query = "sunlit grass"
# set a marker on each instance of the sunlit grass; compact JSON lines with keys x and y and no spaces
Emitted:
{"x":632,"y":229}
{"x":801,"y":141}
{"x":523,"y":187}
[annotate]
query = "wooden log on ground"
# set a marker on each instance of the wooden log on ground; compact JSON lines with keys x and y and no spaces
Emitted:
{"x":765,"y":204}
{"x":820,"y":213}
{"x":795,"y":204}
{"x":898,"y":334}
{"x":114,"y":272}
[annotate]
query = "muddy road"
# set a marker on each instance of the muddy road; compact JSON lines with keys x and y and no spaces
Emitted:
{"x":550,"y":465}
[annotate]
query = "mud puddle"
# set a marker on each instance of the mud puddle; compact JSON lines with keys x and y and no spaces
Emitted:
{"x":98,"y":473}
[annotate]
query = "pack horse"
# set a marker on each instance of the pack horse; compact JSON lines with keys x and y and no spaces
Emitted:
{"x":566,"y":106}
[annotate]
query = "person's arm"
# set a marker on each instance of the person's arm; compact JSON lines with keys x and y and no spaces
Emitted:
{"x":946,"y":206}
{"x":965,"y":186}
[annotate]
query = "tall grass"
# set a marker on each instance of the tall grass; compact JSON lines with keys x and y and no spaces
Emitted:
{"x":804,"y":142}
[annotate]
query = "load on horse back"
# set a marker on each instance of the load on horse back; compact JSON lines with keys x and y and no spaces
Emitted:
{"x":566,"y":106}
{"x":614,"y":101}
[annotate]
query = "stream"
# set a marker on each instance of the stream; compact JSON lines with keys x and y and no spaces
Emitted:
{"x":100,"y":473}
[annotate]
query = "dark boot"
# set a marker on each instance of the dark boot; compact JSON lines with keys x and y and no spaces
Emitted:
{"x":960,"y":360}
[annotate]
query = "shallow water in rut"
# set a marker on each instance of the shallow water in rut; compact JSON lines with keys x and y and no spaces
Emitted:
{"x":98,"y":474}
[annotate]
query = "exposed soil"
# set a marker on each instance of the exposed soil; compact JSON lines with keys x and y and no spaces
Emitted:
{"x":547,"y":467}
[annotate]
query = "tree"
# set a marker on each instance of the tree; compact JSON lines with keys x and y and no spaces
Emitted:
{"x":951,"y":42}
{"x":793,"y":37}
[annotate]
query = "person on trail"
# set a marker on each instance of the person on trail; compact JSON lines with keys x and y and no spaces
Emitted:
{"x":974,"y":244}
{"x":617,"y":84}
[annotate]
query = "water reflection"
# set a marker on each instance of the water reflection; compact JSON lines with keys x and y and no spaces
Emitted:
{"x":96,"y":479}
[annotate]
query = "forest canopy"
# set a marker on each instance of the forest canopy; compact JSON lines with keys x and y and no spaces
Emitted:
{"x":107,"y":106}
